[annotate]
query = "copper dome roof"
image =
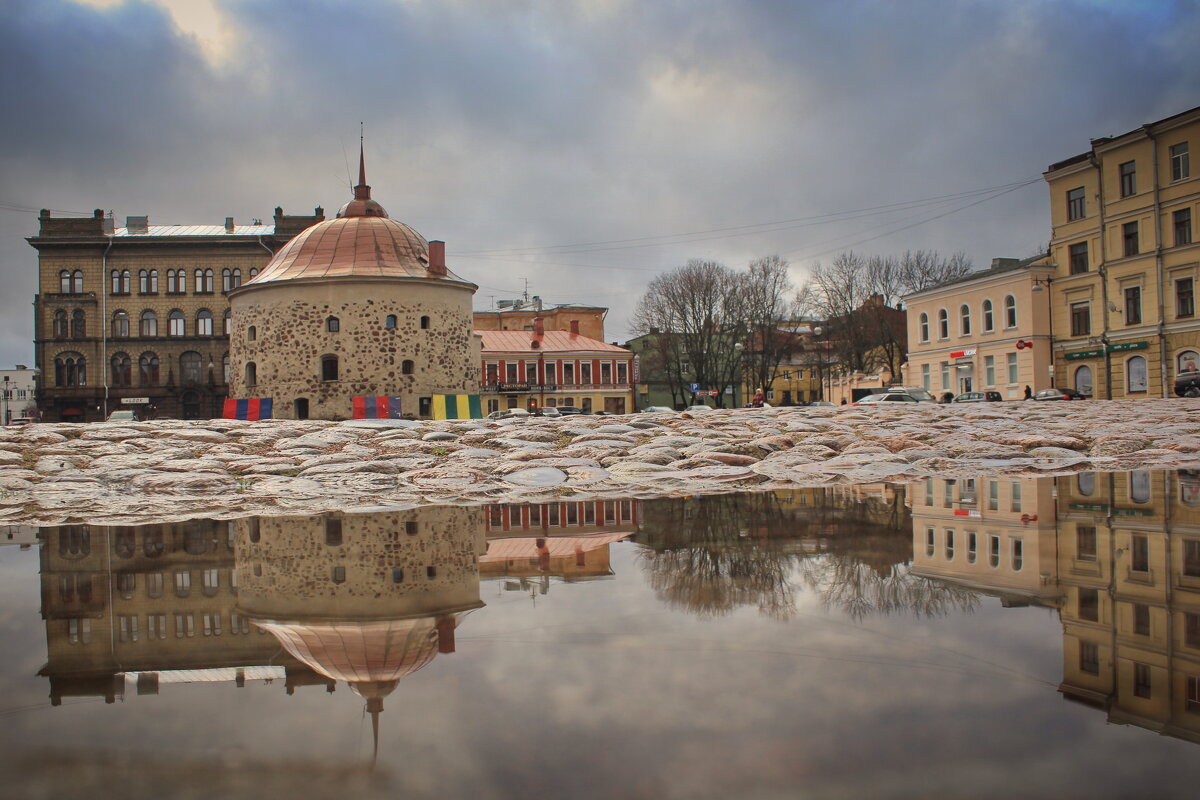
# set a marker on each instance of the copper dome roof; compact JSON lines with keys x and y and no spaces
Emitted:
{"x":361,"y":242}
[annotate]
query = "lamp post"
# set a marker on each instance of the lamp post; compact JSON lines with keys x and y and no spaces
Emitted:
{"x":1040,"y":284}
{"x":7,"y":398}
{"x":738,"y":347}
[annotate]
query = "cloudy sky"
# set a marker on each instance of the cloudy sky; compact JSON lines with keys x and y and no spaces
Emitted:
{"x":580,"y":146}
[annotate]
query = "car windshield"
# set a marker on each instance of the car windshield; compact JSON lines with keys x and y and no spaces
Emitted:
{"x":871,"y":398}
{"x":917,"y":393}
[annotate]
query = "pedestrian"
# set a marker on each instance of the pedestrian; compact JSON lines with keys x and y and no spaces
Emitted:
{"x":843,"y":401}
{"x":1028,"y":392}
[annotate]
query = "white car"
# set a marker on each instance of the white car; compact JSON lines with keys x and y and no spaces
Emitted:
{"x":699,"y":408}
{"x":657,"y":410}
{"x":509,"y":413}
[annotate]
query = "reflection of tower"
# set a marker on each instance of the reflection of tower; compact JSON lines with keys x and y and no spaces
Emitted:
{"x":366,"y":599}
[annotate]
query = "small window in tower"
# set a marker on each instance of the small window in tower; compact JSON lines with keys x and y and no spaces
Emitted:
{"x":333,"y":531}
{"x":390,"y":322}
{"x":397,"y":575}
{"x":329,"y":368}
{"x":251,"y":333}
{"x":339,"y":575}
{"x":406,"y":367}
{"x":424,"y":323}
{"x":410,"y":527}
{"x":431,"y":572}
{"x":332,"y":325}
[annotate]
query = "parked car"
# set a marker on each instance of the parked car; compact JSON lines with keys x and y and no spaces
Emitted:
{"x":978,"y":397}
{"x":567,"y":411}
{"x":548,"y":411}
{"x":1187,"y":384}
{"x":874,"y":400}
{"x":820,"y":403}
{"x":1058,"y":394}
{"x":657,"y":410}
{"x":699,"y":408}
{"x":123,"y":415}
{"x":915,"y":392}
{"x":21,"y":421}
{"x":509,"y":413}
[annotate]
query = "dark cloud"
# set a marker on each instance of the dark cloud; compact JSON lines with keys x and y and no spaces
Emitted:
{"x":507,"y":125}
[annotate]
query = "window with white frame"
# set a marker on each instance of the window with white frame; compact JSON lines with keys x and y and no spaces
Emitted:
{"x":1136,"y":375}
{"x":943,"y":324}
{"x":989,"y":370}
{"x":1010,"y":311}
{"x":988,"y":317}
{"x":923,"y":327}
{"x":1012,"y":367}
{"x":964,"y":317}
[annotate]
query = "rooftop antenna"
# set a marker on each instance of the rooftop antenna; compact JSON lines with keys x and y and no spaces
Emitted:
{"x":525,"y":297}
{"x":346,"y":158}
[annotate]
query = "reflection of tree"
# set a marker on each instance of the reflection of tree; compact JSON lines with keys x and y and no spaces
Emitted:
{"x":710,"y":555}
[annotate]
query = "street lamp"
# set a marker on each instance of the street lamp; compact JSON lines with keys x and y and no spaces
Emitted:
{"x":7,"y":397}
{"x":1040,"y":284}
{"x":738,"y":347}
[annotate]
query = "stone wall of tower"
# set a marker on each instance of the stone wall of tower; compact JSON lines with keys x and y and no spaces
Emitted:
{"x":283,"y":330}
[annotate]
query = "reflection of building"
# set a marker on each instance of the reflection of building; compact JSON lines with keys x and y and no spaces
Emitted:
{"x":157,"y":603}
{"x":993,"y":534}
{"x":1124,"y":292}
{"x":1129,"y":561}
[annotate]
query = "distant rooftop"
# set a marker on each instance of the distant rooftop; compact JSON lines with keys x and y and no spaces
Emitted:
{"x":198,"y":230}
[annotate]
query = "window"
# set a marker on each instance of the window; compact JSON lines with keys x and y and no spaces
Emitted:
{"x":251,"y":373}
{"x":993,"y":495}
{"x":333,"y":531}
{"x":924,"y":327}
{"x":945,"y":375}
{"x":333,"y":325}
{"x":925,"y":380}
{"x":1012,"y":367}
{"x":129,"y":627}
{"x":70,"y":370}
{"x":1089,"y":658}
{"x":1128,"y":172}
{"x":190,"y":367}
{"x":424,"y":323}
{"x":406,"y":367}
{"x":78,"y":324}
{"x":1018,"y":554}
{"x":329,"y":368}
{"x":338,"y":575}
{"x":1010,"y":311}
{"x":122,"y":370}
{"x":1191,"y":629}
{"x":183,"y":583}
{"x":1141,"y":619}
{"x":397,"y":575}
{"x":1135,"y":374}
{"x":1141,"y":680}
{"x":1089,"y":604}
{"x":964,"y":316}
{"x":988,"y":317}
{"x":531,"y":372}
{"x":929,"y":491}
{"x":1075,"y":204}
{"x":225,"y":370}
{"x":251,"y":333}
{"x":148,"y":369}
{"x":1187,"y":361}
{"x":64,"y":282}
{"x":993,"y":551}
{"x":149,"y":325}
{"x":204,"y":323}
{"x":1083,"y":381}
{"x":61,"y":327}
{"x":228,"y":324}
{"x":120,"y":281}
{"x":972,"y":547}
{"x":1179,"y":161}
{"x":1185,"y":297}
{"x":1183,"y":226}
{"x":585,"y":372}
{"x":175,"y":325}
{"x":1129,"y":238}
{"x":253,"y":273}
{"x":1015,"y":502}
{"x":943,"y":324}
{"x":120,"y":325}
{"x":930,"y":539}
{"x":1086,"y":481}
{"x":410,"y":527}
{"x":568,"y":372}
{"x":210,"y":581}
{"x":389,"y":322}
{"x":622,"y":372}
{"x":175,"y":281}
{"x":1133,"y":305}
{"x":204,"y":281}
{"x":551,"y":373}
{"x":1139,"y":554}
{"x":1081,"y":319}
{"x":185,"y":625}
{"x":148,"y":281}
{"x":949,"y":545}
{"x":989,"y":370}
{"x":1078,"y":257}
{"x":606,"y":372}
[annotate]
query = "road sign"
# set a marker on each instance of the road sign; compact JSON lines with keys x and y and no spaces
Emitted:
{"x":135,"y":401}
{"x":695,"y":387}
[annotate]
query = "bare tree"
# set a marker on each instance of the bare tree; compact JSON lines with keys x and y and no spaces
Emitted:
{"x":769,"y":307}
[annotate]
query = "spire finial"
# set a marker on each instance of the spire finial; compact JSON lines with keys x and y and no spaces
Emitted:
{"x":362,"y":191}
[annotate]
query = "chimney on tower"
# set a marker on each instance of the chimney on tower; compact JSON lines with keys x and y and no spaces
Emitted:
{"x":437,"y":258}
{"x":539,"y":328}
{"x":574,"y":327}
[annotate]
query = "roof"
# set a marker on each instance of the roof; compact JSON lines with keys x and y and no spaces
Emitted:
{"x":200,"y":230}
{"x":526,"y":546}
{"x":999,"y":267}
{"x":550,"y":342}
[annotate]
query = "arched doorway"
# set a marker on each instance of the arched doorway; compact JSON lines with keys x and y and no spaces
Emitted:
{"x":1083,"y":380}
{"x":191,"y":405}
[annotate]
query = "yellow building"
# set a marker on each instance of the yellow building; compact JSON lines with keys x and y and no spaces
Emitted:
{"x":1123,"y":294}
{"x":987,"y":331}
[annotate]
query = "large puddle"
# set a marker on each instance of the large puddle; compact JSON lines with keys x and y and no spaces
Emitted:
{"x":987,"y":637}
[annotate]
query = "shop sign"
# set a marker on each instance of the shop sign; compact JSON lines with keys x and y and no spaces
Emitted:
{"x":1132,"y":512}
{"x":1083,"y":354}
{"x":135,"y":401}
{"x":963,"y":353}
{"x":1122,"y":347}
{"x":1103,"y":509}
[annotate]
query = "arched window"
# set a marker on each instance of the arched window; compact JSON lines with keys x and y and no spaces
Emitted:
{"x":251,"y":333}
{"x":237,"y":278}
{"x":989,"y":324}
{"x":204,"y":323}
{"x":143,"y":281}
{"x":1010,"y":312}
{"x":190,"y":367}
{"x":424,"y":323}
{"x":251,"y":373}
{"x":120,"y":282}
{"x":120,"y":325}
{"x":61,"y":326}
{"x":329,"y":368}
{"x":228,"y":327}
{"x":149,"y":324}
{"x":226,"y":279}
{"x":122,"y":370}
{"x":964,"y":317}
{"x":172,"y":282}
{"x":78,"y":324}
{"x":333,"y":531}
{"x":253,"y":273}
{"x":77,"y":282}
{"x":332,"y":324}
{"x":406,"y":367}
{"x":204,"y":281}
{"x":225,"y":368}
{"x":1139,"y":486}
{"x":924,"y":327}
{"x":1135,"y":374}
{"x":943,"y":324}
{"x":148,"y":369}
{"x":1083,"y":381}
{"x":70,"y":370}
{"x":175,"y":325}
{"x":1086,"y":483}
{"x":1187,"y":361}
{"x":64,"y":282}
{"x":390,"y":321}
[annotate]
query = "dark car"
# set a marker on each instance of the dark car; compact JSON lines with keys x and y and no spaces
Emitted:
{"x":1187,"y":384}
{"x":568,"y":410}
{"x":1058,"y":394}
{"x":971,"y":397}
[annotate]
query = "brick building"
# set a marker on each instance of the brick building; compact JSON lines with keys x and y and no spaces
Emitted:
{"x":137,"y":316}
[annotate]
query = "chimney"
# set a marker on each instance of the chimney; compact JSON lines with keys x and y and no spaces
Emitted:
{"x":539,"y":329}
{"x":437,"y":257}
{"x":445,"y":634}
{"x":229,"y":224}
{"x":574,"y":327}
{"x":137,"y":226}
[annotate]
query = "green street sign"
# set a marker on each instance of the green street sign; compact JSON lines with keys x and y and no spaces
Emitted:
{"x":1089,"y":507}
{"x":1132,"y":512}
{"x":1083,"y":354}
{"x":1121,"y":347}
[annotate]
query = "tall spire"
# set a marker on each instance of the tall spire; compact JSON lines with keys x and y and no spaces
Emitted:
{"x":361,"y":191}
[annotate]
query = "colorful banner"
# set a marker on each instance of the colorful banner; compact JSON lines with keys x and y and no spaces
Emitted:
{"x":251,"y":408}
{"x":376,"y":407}
{"x":457,"y":406}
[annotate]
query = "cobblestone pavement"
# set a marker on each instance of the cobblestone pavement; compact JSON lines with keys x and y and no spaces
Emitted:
{"x":111,"y":473}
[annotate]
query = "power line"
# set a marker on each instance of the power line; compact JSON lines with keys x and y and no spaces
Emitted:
{"x":6,"y":205}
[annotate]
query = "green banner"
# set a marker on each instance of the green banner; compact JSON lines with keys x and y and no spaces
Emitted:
{"x":1083,"y":354}
{"x":1121,"y":347}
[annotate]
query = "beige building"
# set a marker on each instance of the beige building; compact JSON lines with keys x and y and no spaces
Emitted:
{"x":356,"y":306}
{"x":520,"y":315}
{"x":1126,"y":261}
{"x":988,"y":331}
{"x":138,"y":316}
